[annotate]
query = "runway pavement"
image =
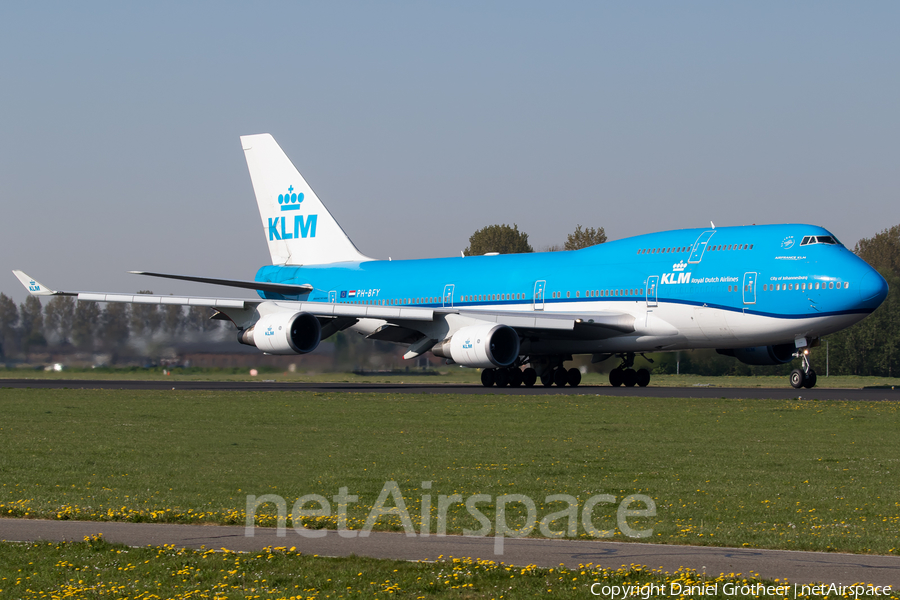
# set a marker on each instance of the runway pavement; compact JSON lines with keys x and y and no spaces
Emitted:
{"x":797,"y":567}
{"x":416,"y":387}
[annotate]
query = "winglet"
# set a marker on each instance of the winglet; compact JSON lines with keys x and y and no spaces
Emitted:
{"x":34,"y":287}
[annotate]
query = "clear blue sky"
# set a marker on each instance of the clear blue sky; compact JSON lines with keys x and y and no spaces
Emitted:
{"x":418,"y":123}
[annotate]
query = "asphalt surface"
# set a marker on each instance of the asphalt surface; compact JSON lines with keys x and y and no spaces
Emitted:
{"x":797,"y":567}
{"x":416,"y":387}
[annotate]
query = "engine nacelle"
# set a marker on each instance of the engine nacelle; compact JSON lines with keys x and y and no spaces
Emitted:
{"x":486,"y":346}
{"x":284,"y":333}
{"x":762,"y":355}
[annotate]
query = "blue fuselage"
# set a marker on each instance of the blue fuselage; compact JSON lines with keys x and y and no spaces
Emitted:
{"x":761,"y":270}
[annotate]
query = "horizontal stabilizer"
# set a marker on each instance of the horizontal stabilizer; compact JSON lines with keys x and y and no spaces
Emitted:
{"x":287,"y":289}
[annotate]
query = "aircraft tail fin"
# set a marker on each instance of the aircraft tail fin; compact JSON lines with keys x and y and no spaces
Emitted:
{"x":298,"y":227}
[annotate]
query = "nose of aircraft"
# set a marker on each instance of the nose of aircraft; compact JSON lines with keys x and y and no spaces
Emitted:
{"x":873,"y":289}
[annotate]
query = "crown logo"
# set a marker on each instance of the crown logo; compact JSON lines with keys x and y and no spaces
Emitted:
{"x":679,"y":266}
{"x":291,"y":200}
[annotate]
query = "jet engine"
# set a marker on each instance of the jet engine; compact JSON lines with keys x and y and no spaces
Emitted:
{"x":762,"y":355}
{"x":486,"y":346}
{"x":284,"y":333}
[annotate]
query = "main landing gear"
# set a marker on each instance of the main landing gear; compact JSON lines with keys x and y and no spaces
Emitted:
{"x":552,"y":372}
{"x":510,"y":376}
{"x":805,"y":376}
{"x":561,"y":376}
{"x":550,"y":368}
{"x":625,"y":375}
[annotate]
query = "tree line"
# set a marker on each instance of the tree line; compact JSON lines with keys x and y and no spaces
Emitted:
{"x":68,"y":325}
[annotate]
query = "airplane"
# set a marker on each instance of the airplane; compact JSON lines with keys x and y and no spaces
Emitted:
{"x":763,"y":294}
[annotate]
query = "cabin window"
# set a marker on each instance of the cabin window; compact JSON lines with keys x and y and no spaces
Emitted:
{"x":846,"y":285}
{"x":568,"y":294}
{"x":830,"y":285}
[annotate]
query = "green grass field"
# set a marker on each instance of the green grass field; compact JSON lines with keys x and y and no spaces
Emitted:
{"x":775,"y":474}
{"x":455,"y":375}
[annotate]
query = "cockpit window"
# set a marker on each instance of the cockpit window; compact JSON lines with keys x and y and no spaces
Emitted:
{"x":819,"y":239}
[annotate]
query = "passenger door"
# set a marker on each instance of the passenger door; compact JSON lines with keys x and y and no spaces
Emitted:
{"x":652,"y":285}
{"x":539,"y":287}
{"x":749,"y":288}
{"x":447,"y":300}
{"x":699,"y":246}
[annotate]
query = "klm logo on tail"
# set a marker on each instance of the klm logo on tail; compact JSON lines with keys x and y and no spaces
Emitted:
{"x":279,"y":227}
{"x":33,"y":286}
{"x":290,"y":201}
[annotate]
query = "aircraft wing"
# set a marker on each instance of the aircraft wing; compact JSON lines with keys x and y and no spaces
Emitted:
{"x":616,"y":323}
{"x":402,"y":324}
{"x":36,"y":288}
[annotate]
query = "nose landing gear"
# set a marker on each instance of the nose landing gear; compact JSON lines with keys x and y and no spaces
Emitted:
{"x":805,"y":376}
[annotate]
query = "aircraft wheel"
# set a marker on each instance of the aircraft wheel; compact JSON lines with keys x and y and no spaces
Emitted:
{"x":560,"y":377}
{"x":643,"y":377}
{"x":615,"y":377}
{"x":629,"y":378}
{"x":515,"y":377}
{"x":501,"y":377}
{"x":797,"y":378}
{"x":810,"y":381}
{"x":547,"y":378}
{"x":574,"y":377}
{"x":487,"y":377}
{"x":529,"y":377}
